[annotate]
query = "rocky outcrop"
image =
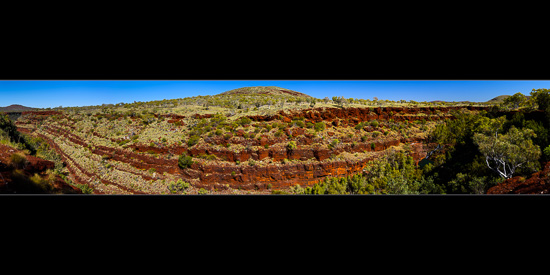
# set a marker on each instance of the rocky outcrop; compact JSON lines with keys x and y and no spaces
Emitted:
{"x":34,"y":117}
{"x":310,"y":167}
{"x":42,"y":113}
{"x":277,"y":175}
{"x":537,"y":183}
{"x":34,"y":165}
{"x":347,"y":116}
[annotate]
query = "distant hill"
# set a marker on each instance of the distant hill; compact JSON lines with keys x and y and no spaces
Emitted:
{"x":16,"y":108}
{"x":498,"y":99}
{"x":501,"y":98}
{"x":457,"y":102}
{"x":264,"y":90}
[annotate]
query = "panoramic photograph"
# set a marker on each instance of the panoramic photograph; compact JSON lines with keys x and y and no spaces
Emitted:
{"x":274,"y":137}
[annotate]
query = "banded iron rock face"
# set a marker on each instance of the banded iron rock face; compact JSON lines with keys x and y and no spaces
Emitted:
{"x":306,"y":164}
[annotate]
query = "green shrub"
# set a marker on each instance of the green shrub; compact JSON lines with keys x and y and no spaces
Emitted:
{"x":179,"y":186}
{"x":218,"y":119}
{"x":309,"y":125}
{"x":372,"y":146}
{"x":193,"y":140}
{"x":364,"y":138}
{"x":85,"y":188}
{"x":546,"y":152}
{"x":122,"y":142}
{"x":291,"y":145}
{"x":244,"y":121}
{"x":279,"y":133}
{"x":211,"y":157}
{"x":334,"y":143}
{"x":41,"y":183}
{"x":185,"y":161}
{"x":376,"y":133}
{"x":374,"y":123}
{"x":18,"y":160}
{"x":319,"y":126}
{"x":279,"y":192}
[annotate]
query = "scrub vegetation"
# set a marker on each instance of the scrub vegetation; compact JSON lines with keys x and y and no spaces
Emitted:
{"x":271,"y":140}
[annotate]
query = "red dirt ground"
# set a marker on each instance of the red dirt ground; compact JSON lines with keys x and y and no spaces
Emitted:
{"x":537,"y":183}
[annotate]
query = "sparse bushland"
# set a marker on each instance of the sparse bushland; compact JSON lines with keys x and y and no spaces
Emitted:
{"x":506,"y":152}
{"x":202,"y":127}
{"x":395,"y":174}
{"x":33,"y":146}
{"x":483,"y":149}
{"x":220,"y":126}
{"x":11,"y":137}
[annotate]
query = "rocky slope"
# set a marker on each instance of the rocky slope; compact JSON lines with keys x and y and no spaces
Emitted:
{"x":17,"y":179}
{"x":255,"y":156}
{"x":537,"y":183}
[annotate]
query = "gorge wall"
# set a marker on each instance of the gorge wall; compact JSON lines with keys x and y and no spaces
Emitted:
{"x":305,"y":165}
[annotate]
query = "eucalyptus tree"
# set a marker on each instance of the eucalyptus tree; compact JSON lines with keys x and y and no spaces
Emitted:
{"x":505,"y":153}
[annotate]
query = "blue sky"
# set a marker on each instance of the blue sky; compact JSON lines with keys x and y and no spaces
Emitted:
{"x":43,"y":94}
